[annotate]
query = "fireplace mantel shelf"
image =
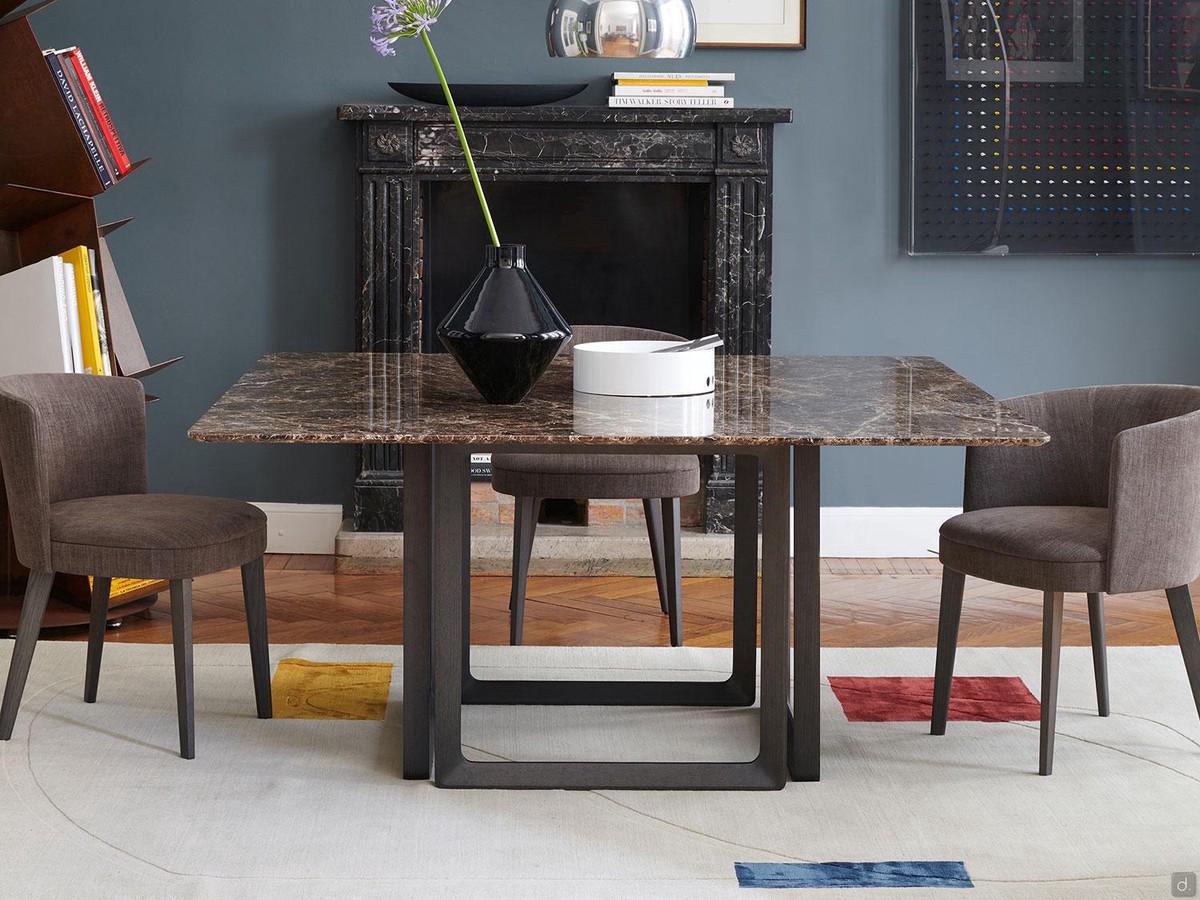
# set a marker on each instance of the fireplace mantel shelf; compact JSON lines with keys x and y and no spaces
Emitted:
{"x":590,"y":115}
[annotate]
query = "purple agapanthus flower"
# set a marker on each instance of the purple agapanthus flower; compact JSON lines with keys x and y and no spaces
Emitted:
{"x":383,"y":46}
{"x":395,"y":19}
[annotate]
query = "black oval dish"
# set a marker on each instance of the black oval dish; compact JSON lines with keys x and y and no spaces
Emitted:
{"x":490,"y":94}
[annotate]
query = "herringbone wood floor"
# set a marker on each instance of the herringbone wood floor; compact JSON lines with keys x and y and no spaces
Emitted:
{"x":866,"y":603}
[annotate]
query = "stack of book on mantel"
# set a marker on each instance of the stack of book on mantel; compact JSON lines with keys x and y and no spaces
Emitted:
{"x":671,"y":90}
{"x":90,"y":114}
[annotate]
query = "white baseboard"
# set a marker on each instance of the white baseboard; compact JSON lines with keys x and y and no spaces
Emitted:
{"x":301,"y":527}
{"x":855,"y":532}
{"x":846,"y":531}
{"x":863,"y":532}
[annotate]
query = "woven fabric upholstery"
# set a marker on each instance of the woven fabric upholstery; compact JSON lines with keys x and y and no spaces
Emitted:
{"x":154,"y":535}
{"x":1059,"y":548}
{"x":62,"y":437}
{"x":611,"y":476}
{"x":1155,"y":503}
{"x":1074,"y":468}
{"x":73,"y":449}
{"x":598,"y":476}
{"x":1130,"y":452}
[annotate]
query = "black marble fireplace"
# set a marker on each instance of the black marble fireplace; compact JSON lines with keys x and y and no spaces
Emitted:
{"x":654,"y":218}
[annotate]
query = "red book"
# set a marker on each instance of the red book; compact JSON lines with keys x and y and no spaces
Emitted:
{"x":99,"y":110}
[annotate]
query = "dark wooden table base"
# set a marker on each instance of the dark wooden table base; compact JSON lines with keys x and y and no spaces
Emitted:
{"x":436,"y":642}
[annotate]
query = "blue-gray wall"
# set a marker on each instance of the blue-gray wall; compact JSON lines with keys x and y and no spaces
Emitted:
{"x":243,"y":242}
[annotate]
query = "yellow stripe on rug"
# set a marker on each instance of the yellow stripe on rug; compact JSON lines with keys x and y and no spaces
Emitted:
{"x":357,"y":692}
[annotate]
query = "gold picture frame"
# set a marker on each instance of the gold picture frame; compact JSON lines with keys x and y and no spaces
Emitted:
{"x":769,"y":24}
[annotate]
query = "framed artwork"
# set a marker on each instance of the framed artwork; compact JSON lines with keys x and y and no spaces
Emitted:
{"x":751,"y":23}
{"x":1055,"y":158}
{"x":1171,"y":47}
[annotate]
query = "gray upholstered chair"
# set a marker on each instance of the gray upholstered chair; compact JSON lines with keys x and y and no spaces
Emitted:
{"x":1110,"y":505}
{"x":74,"y":454}
{"x":658,"y":481}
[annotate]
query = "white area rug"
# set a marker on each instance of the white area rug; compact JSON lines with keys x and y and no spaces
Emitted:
{"x":94,"y":801}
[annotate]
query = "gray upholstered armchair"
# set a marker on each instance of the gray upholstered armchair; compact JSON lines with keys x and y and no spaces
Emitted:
{"x":73,"y":449}
{"x":1110,"y":505}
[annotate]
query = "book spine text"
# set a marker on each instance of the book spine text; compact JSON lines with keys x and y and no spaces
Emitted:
{"x":100,"y":110}
{"x":671,"y":102}
{"x":668,"y":91}
{"x":716,"y":77}
{"x":81,"y":123}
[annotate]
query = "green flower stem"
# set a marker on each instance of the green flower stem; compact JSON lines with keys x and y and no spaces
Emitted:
{"x":462,"y":136}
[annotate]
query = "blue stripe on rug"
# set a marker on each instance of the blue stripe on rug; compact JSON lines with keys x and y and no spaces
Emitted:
{"x":854,"y":875}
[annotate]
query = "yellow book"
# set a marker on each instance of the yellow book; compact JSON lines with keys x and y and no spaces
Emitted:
{"x":89,"y":329}
{"x":659,"y":82}
{"x":123,"y":587}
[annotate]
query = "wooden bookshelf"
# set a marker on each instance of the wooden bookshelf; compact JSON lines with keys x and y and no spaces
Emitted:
{"x":39,"y":144}
{"x":47,"y":186}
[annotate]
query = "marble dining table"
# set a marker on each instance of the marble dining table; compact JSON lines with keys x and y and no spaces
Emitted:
{"x":775,"y":415}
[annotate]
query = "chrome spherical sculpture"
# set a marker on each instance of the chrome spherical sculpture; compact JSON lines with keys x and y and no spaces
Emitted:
{"x":632,"y":29}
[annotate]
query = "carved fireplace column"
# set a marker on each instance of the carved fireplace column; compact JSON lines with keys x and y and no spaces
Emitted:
{"x":740,"y":293}
{"x":402,"y":150}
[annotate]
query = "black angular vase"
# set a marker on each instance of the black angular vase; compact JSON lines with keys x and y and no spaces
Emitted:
{"x":504,"y":331}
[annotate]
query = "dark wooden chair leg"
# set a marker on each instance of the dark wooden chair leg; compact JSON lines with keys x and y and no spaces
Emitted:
{"x":254,"y":595}
{"x":100,"y":593}
{"x":949,"y":615}
{"x":654,"y":529}
{"x":1099,"y":650}
{"x":1052,"y":619}
{"x":1184,"y":615}
{"x":524,"y":530}
{"x":185,"y":689}
{"x":673,"y":566}
{"x":33,"y":609}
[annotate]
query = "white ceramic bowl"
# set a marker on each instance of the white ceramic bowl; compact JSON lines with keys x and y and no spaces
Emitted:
{"x":666,"y":417}
{"x":633,"y":369}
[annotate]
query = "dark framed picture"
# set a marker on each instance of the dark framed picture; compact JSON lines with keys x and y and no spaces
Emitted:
{"x":751,"y":23}
{"x":1038,"y":40}
{"x":1171,"y":45}
{"x":1091,"y":165}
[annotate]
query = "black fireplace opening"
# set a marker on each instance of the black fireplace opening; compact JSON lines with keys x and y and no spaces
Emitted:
{"x":611,"y":253}
{"x":563,"y":512}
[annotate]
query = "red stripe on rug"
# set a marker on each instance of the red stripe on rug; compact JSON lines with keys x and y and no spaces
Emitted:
{"x":911,"y":700}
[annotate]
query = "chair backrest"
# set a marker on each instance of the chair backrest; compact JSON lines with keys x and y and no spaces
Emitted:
{"x":591,"y":334}
{"x":63,"y":437}
{"x":1133,"y":449}
{"x":1074,"y":469}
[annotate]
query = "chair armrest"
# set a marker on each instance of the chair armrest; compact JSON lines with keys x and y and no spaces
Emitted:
{"x":26,"y":503}
{"x":1154,"y":506}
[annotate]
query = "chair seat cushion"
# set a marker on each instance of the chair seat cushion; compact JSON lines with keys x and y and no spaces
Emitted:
{"x":599,"y":476}
{"x":154,"y":535}
{"x":1047,"y":548}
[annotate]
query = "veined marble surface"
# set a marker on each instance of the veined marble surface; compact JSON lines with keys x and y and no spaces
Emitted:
{"x":354,"y":398}
{"x":407,"y":112}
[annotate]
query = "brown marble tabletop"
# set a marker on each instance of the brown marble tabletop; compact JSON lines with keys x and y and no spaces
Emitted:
{"x":353,"y":398}
{"x":780,"y":409}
